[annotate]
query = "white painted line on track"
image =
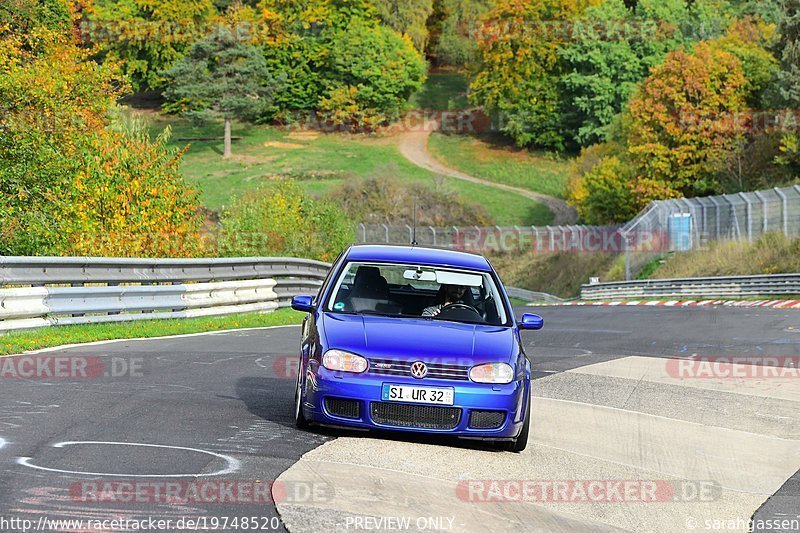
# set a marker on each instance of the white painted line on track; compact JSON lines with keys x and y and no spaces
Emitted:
{"x":232,"y":465}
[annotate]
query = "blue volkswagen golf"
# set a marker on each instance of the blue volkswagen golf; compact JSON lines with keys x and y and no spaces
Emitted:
{"x":415,"y":339}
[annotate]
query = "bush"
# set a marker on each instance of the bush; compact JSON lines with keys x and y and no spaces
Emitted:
{"x":605,"y":194}
{"x":129,"y":200}
{"x":387,"y":200}
{"x":560,"y":274}
{"x":282,"y":221}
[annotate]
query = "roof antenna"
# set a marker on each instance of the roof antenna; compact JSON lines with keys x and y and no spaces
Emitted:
{"x":414,"y":237}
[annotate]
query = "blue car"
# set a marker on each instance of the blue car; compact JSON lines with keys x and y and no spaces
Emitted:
{"x":415,"y":339}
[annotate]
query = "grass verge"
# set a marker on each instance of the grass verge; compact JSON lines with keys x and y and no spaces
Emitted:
{"x":22,"y":341}
{"x":505,"y":164}
{"x":559,"y":274}
{"x":319,"y":162}
{"x":772,"y":253}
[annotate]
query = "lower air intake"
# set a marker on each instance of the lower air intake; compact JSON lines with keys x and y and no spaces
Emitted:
{"x":415,"y":416}
{"x":343,"y":408}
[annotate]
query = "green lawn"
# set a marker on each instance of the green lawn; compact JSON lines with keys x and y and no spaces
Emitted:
{"x":319,"y":162}
{"x":443,"y":91}
{"x":502,"y":163}
{"x":22,"y":341}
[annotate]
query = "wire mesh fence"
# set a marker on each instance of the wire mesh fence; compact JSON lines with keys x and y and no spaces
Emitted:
{"x":690,"y":224}
{"x":665,"y":226}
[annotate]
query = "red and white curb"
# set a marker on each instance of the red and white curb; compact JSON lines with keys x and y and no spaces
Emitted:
{"x":775,"y":304}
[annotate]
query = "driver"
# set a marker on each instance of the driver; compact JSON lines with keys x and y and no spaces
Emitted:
{"x":453,"y":294}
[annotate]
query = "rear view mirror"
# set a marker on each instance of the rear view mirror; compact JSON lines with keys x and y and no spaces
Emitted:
{"x":419,"y":275}
{"x":531,"y":322}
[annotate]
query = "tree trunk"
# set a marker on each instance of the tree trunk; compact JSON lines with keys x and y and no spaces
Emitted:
{"x":228,"y":152}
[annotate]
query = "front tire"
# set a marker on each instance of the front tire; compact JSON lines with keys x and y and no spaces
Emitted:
{"x":299,"y":417}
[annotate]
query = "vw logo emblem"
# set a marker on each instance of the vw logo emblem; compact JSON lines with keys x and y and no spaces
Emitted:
{"x":419,"y":370}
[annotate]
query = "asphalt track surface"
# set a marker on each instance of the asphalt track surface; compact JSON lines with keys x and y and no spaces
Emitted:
{"x":219,"y":408}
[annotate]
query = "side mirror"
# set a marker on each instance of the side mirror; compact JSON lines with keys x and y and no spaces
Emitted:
{"x":531,"y":322}
{"x":304,"y":304}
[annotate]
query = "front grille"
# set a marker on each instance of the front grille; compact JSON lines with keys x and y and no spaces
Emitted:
{"x":394,"y":367}
{"x":343,"y":408}
{"x":486,"y":419}
{"x":415,"y":416}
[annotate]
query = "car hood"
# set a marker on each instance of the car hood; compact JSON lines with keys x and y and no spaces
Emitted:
{"x":419,"y":339}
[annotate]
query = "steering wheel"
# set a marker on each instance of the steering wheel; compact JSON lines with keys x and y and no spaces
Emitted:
{"x":466,"y":311}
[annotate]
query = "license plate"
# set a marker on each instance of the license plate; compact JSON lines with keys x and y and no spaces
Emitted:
{"x":405,"y":393}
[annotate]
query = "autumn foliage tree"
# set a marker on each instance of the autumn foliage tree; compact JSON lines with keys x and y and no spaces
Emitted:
{"x":681,"y":121}
{"x":520,"y":69}
{"x":147,"y":37}
{"x":70,"y":182}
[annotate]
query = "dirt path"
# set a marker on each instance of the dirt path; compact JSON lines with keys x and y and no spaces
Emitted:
{"x":414,"y":147}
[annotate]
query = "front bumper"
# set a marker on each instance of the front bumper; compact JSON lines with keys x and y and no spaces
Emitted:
{"x":366,"y":389}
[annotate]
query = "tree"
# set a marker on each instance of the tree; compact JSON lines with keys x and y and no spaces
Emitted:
{"x":221,"y":77}
{"x":457,"y":23}
{"x":71,"y":182}
{"x":681,"y":127}
{"x":340,"y":60}
{"x":370,"y":73}
{"x":407,"y":17}
{"x":605,"y":194}
{"x":611,"y":52}
{"x":146,"y":36}
{"x":520,"y":68}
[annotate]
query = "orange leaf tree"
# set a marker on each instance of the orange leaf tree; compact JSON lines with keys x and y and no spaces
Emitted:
{"x":70,"y":181}
{"x":680,"y":121}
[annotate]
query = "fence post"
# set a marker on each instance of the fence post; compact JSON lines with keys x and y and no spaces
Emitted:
{"x":625,"y":244}
{"x":784,"y":211}
{"x":765,"y":222}
{"x":695,"y":226}
{"x":433,"y":230}
{"x":363,"y":233}
{"x":746,"y":199}
{"x":386,"y":230}
{"x":717,"y":212}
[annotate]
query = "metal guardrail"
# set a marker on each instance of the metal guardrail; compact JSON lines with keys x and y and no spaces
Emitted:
{"x":532,"y":296}
{"x":40,"y":271}
{"x":718,"y":287}
{"x":47,"y":291}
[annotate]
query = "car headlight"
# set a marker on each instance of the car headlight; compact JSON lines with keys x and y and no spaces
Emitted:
{"x":498,"y":373}
{"x":342,"y":361}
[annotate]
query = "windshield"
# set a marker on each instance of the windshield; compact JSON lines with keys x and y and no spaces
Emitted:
{"x":404,"y":290}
